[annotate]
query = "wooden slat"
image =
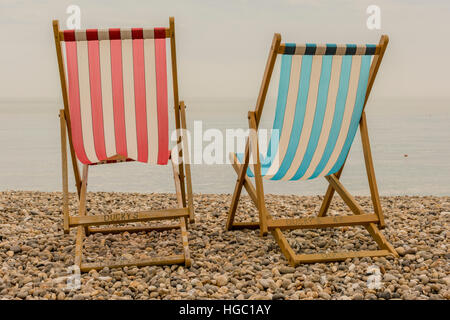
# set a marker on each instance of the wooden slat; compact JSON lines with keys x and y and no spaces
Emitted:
{"x":337,"y":256}
{"x":245,"y":225}
{"x":125,"y":217}
{"x":321,"y":222}
{"x":162,"y":227}
{"x":173,"y":259}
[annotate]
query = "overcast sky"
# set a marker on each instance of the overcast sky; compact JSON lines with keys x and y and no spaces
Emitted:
{"x":223,"y":45}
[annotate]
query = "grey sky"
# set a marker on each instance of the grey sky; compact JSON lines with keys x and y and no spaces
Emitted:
{"x":222,"y":45}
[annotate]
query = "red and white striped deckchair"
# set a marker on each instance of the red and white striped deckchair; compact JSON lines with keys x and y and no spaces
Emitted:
{"x":321,"y":98}
{"x":116,"y":109}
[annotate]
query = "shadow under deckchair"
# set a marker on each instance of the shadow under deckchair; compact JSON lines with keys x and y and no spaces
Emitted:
{"x":322,"y":93}
{"x":116,"y":109}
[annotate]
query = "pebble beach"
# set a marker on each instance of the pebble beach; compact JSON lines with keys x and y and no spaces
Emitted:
{"x":35,"y":254}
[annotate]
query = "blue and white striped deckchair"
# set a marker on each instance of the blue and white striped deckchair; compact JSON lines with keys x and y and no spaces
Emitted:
{"x":322,"y":93}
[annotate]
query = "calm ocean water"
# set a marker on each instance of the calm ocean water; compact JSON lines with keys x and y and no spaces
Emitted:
{"x":410,"y":142}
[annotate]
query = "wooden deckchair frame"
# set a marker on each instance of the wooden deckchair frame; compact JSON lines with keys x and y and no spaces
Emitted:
{"x":86,"y":224}
{"x":372,"y":222}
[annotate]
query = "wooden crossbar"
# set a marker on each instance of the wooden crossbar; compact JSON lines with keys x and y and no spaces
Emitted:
{"x":337,"y":256}
{"x":245,"y":225}
{"x":137,"y":229}
{"x":173,"y":259}
{"x":126,"y":217}
{"x":321,"y":222}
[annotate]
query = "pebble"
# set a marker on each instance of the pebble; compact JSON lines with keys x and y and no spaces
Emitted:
{"x":285,"y":269}
{"x":35,"y":254}
{"x":222,"y":280}
{"x":324,"y":295}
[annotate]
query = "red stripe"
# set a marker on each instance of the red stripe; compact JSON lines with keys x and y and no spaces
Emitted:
{"x":74,"y":102}
{"x":117,"y":88}
{"x":160,"y":33}
{"x":161,"y":89}
{"x":137,"y":33}
{"x":139,"y":98}
{"x":114,"y":34}
{"x":69,"y":35}
{"x":91,"y":34}
{"x":96,"y":95}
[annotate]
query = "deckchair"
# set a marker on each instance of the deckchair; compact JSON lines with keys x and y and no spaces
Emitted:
{"x":322,"y":93}
{"x":115,"y":110}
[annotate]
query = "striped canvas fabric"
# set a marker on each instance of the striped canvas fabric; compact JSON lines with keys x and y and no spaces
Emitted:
{"x":117,"y":88}
{"x":321,"y":95}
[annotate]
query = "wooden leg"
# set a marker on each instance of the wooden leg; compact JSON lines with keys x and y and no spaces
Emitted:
{"x":261,"y":202}
{"x":187,"y":165}
{"x":370,"y":170}
{"x":76,"y":170}
{"x":329,"y":196}
{"x":238,"y":188}
{"x":345,"y":195}
{"x":176,"y":178}
{"x":65,"y":178}
{"x":252,"y":193}
{"x":184,"y":239}
{"x":247,"y":182}
{"x":380,"y":239}
{"x":258,"y":177}
{"x":83,"y":222}
{"x":81,"y":231}
{"x":284,"y":246}
{"x":183,"y":221}
{"x":180,"y":154}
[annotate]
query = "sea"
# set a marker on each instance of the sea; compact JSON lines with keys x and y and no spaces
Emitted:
{"x":410,"y":140}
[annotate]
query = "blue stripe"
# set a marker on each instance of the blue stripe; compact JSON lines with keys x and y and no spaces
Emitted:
{"x":310,"y":49}
{"x":351,"y":49}
{"x":370,"y":49}
{"x":338,"y":114}
{"x":331,"y":49}
{"x":283,"y":88}
{"x":321,"y":105}
{"x":357,"y":111}
{"x":299,"y":117}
